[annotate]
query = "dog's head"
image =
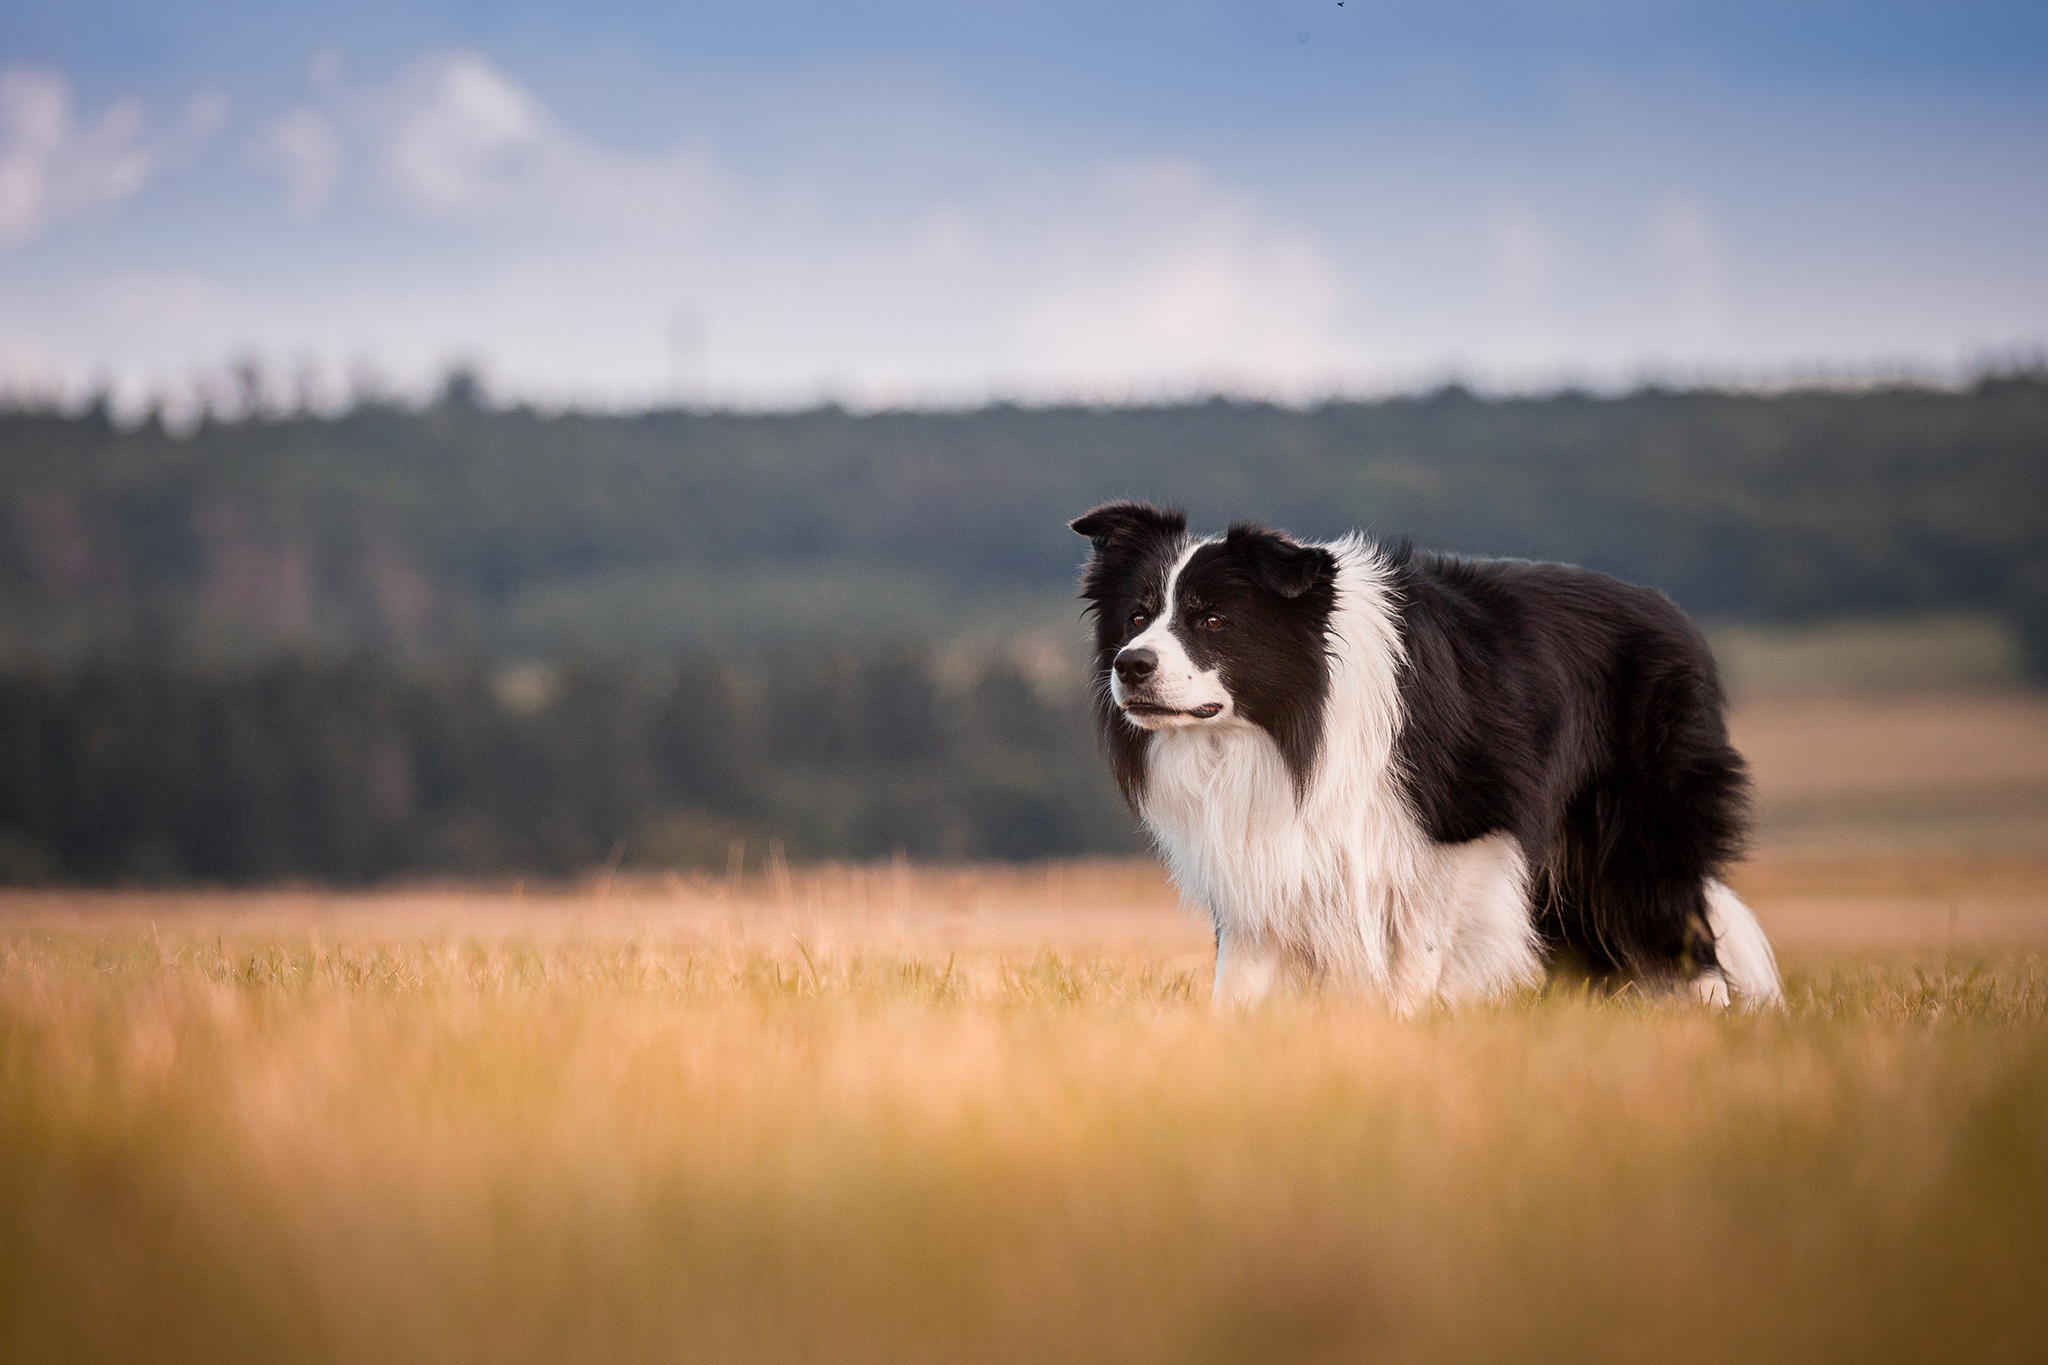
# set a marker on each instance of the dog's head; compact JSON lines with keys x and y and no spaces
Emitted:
{"x":1192,"y":633}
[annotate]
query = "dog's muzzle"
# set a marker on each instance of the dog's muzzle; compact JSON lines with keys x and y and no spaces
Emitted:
{"x":1135,"y":669}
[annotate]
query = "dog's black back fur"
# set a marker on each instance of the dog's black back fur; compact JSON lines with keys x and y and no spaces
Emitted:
{"x":1583,"y":716}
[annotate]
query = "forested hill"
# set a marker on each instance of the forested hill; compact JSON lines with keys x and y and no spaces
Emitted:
{"x":462,"y":528}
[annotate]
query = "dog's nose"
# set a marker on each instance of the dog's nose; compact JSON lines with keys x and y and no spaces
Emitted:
{"x":1133,"y":666}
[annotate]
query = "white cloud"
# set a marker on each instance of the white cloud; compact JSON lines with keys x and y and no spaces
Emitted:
{"x":453,"y":138}
{"x":205,"y":114}
{"x":1022,"y":278}
{"x":1165,"y":275}
{"x":305,"y":150}
{"x":463,"y":135}
{"x":456,"y":137}
{"x":898,"y":249}
{"x":52,"y":168}
{"x":327,"y":73}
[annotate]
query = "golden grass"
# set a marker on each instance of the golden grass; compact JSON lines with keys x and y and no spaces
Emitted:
{"x":881,"y":1115}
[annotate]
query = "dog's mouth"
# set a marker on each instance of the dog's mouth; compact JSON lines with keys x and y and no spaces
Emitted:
{"x":1206,"y":711}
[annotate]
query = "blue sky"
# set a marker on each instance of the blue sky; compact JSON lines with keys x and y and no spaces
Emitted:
{"x":914,"y":203}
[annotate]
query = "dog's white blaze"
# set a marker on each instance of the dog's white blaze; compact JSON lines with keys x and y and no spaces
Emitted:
{"x":1177,"y":682}
{"x":1747,"y":962}
{"x":1342,"y":885}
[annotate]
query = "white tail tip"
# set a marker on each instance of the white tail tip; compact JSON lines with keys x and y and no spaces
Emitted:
{"x":1748,"y":966}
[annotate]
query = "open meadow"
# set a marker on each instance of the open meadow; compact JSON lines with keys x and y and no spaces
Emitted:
{"x":892,"y":1112}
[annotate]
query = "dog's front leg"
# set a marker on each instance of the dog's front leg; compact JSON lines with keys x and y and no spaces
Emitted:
{"x":1247,"y":968}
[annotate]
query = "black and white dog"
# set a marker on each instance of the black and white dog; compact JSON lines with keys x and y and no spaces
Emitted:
{"x":1421,"y":777}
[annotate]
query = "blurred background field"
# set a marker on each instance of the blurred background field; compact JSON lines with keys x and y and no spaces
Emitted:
{"x":317,"y":645}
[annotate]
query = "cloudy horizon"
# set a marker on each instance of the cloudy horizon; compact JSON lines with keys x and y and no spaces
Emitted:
{"x":915,"y":206}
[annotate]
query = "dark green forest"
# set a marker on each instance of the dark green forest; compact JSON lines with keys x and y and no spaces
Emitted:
{"x":466,"y":639}
{"x":462,"y":528}
{"x":358,"y":770}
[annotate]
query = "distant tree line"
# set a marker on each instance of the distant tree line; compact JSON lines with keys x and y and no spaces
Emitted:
{"x":279,"y":645}
{"x":364,"y":769}
{"x":461,"y":527}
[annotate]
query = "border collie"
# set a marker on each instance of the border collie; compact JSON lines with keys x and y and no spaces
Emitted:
{"x":1421,"y":777}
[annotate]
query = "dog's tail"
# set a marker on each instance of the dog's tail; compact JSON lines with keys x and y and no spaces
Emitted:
{"x":1748,"y":966}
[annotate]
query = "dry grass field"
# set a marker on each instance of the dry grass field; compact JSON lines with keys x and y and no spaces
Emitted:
{"x":893,"y":1113}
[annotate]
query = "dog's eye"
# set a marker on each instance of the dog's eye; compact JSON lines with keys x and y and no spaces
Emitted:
{"x":1212,"y":622}
{"x":1138,"y":621}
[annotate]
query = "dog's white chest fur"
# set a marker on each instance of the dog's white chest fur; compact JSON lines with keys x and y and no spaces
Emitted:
{"x":1338,"y":884}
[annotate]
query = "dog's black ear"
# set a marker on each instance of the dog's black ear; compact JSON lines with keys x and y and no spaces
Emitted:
{"x":1115,"y":521}
{"x":1277,"y":561}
